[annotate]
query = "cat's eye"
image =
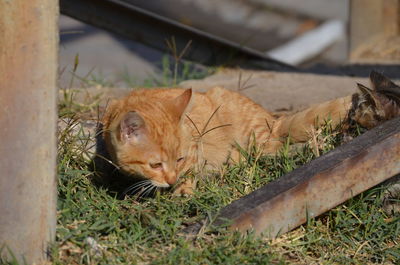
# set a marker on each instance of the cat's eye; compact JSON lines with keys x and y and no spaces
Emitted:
{"x":180,"y":159}
{"x":156,"y":165}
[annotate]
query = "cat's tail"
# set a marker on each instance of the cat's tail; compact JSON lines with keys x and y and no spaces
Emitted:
{"x":369,"y":107}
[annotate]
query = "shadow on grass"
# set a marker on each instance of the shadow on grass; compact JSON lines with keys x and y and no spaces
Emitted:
{"x":107,"y":175}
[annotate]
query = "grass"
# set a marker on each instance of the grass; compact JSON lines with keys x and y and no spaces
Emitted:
{"x":96,"y":227}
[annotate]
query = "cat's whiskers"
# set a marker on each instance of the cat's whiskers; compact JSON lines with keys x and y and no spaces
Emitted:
{"x":136,"y":186}
{"x":145,"y":190}
{"x":149,"y":190}
{"x":140,"y":188}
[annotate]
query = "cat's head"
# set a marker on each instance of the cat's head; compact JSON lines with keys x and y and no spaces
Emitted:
{"x":373,"y":106}
{"x":146,"y":139}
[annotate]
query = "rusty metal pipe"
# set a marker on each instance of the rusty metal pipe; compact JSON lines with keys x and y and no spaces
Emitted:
{"x":320,"y":185}
{"x":28,"y":69}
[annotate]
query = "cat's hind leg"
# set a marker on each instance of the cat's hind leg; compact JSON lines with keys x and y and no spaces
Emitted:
{"x":299,"y":126}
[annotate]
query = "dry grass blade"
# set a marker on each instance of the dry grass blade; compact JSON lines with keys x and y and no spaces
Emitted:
{"x":216,"y":127}
{"x":171,"y":44}
{"x":194,"y":124}
{"x":209,"y":120}
{"x":244,"y":86}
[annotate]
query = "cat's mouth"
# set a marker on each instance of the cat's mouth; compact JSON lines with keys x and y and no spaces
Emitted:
{"x":158,"y":184}
{"x":145,"y":188}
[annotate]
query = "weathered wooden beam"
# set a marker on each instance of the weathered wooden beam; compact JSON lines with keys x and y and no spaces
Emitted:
{"x":28,"y":74}
{"x":319,"y":185}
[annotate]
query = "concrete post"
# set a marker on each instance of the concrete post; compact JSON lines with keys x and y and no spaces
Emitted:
{"x":28,"y":69}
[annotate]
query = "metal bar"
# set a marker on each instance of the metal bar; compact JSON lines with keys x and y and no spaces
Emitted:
{"x":152,"y":29}
{"x":28,"y":70}
{"x":318,"y":186}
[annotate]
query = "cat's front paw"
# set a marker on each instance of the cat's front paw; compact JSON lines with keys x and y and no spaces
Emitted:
{"x":185,"y":188}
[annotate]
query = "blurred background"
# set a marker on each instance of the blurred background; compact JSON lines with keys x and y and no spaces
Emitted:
{"x":304,"y":33}
{"x":259,"y":24}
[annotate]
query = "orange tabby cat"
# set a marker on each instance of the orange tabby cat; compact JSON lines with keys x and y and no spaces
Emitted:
{"x":160,"y":134}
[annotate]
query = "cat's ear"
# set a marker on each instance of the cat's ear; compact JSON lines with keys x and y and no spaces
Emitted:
{"x":132,"y":127}
{"x":181,"y":104}
{"x":385,"y":86}
{"x":370,"y":96}
{"x":381,"y":82}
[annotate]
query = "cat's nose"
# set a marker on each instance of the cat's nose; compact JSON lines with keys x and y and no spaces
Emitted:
{"x":170,"y":178}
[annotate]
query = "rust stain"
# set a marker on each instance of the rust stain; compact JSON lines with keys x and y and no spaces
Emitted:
{"x":324,"y":190}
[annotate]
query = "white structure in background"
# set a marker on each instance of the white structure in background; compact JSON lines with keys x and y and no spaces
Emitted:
{"x":309,"y":44}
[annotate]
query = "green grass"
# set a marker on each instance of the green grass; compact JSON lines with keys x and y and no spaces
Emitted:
{"x":128,"y":231}
{"x":96,"y":226}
